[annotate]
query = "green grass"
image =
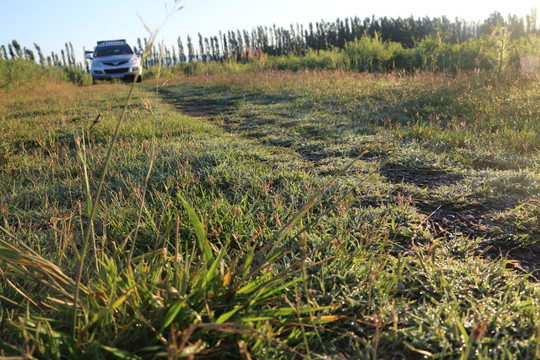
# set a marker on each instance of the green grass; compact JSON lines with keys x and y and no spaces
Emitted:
{"x":21,"y":73}
{"x":251,"y":239}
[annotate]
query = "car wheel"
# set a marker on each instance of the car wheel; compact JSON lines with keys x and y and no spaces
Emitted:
{"x":139,"y":78}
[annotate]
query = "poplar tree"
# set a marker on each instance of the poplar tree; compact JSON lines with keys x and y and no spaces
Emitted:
{"x":174,"y":58}
{"x":233,"y":45}
{"x":73,"y":61}
{"x":63,"y":57}
{"x":40,"y":55}
{"x":68,"y":56}
{"x":247,"y":43}
{"x":191,"y":50}
{"x":225,"y":47}
{"x":29,"y":55}
{"x":254,"y":43}
{"x":240,"y":45}
{"x":181,"y":53}
{"x":201,"y":47}
{"x":213,"y":46}
{"x":216,"y":44}
{"x":262,"y":39}
{"x":17,"y":48}
{"x":11,"y":52}
{"x":207,"y":51}
{"x":56,"y":59}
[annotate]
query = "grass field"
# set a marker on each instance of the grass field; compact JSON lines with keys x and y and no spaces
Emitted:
{"x":272,"y":215}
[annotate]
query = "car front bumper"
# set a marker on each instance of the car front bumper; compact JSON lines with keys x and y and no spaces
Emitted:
{"x":116,"y":73}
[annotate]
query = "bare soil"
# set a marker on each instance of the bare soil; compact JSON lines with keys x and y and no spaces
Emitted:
{"x":195,"y":107}
{"x":475,"y":220}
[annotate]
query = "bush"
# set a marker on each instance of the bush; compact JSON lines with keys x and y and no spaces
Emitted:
{"x":23,"y":72}
{"x":371,"y":54}
{"x":78,"y":76}
{"x":313,"y":60}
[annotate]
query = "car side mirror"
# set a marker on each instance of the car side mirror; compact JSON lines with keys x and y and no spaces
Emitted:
{"x":138,"y":52}
{"x":88,"y":54}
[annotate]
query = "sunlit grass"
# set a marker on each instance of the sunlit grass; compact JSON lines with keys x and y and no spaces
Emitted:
{"x":215,"y":269}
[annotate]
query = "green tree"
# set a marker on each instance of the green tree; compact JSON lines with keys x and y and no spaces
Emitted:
{"x":64,"y":63}
{"x":225,"y":47}
{"x":201,"y":47}
{"x":40,"y":55}
{"x":11,"y":52}
{"x":17,"y":48}
{"x":262,"y":37}
{"x":516,"y":26}
{"x":494,"y":20}
{"x":240,"y":43}
{"x":4,"y":52}
{"x":247,"y":42}
{"x":174,"y":58}
{"x":214,"y":47}
{"x":181,"y":52}
{"x":69,"y":56}
{"x":207,"y":50}
{"x":191,"y":50}
{"x":29,"y":55}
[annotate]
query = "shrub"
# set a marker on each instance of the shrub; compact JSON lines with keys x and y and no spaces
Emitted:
{"x":23,"y":72}
{"x":371,"y":54}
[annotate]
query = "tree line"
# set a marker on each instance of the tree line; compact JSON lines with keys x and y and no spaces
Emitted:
{"x":296,"y":40}
{"x":242,"y":45}
{"x":66,"y":57}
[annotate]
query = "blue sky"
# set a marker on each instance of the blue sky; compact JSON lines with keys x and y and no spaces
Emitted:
{"x":52,"y":23}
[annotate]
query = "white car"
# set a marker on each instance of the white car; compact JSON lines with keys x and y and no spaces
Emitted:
{"x":114,"y":59}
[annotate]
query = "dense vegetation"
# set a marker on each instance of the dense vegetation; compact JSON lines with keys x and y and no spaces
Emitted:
{"x":244,"y":46}
{"x":374,"y":45}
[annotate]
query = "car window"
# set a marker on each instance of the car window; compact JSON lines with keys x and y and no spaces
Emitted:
{"x":113,"y":50}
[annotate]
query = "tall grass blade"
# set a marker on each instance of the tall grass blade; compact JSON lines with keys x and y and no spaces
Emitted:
{"x":199,"y":232}
{"x":108,"y":158}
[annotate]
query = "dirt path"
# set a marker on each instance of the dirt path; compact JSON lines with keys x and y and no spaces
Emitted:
{"x":473,"y":220}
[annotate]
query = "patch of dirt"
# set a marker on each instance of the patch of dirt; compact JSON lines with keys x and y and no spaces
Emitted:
{"x":521,"y":259}
{"x":474,"y":220}
{"x":447,"y":220}
{"x":451,"y":220}
{"x":196,"y":107}
{"x":421,"y":177}
{"x":312,"y":157}
{"x":202,"y":109}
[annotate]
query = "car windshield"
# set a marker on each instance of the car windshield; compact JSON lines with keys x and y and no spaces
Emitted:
{"x":112,"y":50}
